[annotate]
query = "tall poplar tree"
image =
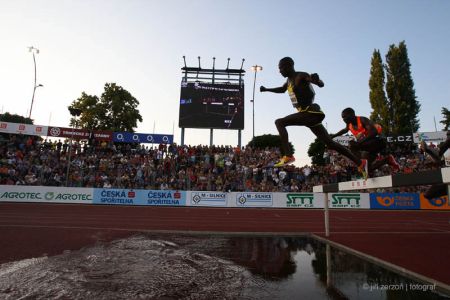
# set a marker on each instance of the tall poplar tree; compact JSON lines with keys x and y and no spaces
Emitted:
{"x":377,"y":95}
{"x":446,"y":116}
{"x":402,"y":100}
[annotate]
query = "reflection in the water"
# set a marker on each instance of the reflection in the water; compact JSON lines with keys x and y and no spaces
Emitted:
{"x":356,"y":278}
{"x":151,"y":266}
{"x":344,"y":276}
{"x":270,"y":257}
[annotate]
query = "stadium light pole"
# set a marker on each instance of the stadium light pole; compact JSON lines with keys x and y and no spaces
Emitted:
{"x":255,"y":69}
{"x":34,"y":51}
{"x":75,"y":112}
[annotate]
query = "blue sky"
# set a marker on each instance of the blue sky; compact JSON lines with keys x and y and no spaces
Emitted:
{"x":140,"y":44}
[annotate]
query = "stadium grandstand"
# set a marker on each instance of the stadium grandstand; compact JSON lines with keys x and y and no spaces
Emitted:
{"x":33,"y":161}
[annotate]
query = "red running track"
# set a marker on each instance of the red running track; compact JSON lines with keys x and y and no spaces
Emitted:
{"x":418,"y":241}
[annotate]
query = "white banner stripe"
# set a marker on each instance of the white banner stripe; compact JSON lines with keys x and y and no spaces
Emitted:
{"x":371,"y":183}
{"x":445,"y":175}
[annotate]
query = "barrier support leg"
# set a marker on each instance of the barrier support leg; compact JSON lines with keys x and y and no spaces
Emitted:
{"x":328,"y":256}
{"x":327,"y":221}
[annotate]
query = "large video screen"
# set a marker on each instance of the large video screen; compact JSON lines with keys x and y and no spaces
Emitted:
{"x":207,"y":105}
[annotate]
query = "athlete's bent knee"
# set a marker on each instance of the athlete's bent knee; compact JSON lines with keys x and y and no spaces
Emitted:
{"x":279,"y":123}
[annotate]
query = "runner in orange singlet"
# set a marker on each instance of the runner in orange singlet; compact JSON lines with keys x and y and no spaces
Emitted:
{"x":368,"y":139}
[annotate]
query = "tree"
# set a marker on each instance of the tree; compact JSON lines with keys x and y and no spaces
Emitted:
{"x":315,"y":151}
{"x":446,"y":120}
{"x":121,"y":108}
{"x":7,"y":117}
{"x":267,"y":140}
{"x":116,"y":110}
{"x":377,"y":95}
{"x":402,"y":100}
{"x":92,"y":110}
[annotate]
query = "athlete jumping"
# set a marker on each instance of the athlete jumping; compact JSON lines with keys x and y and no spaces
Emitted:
{"x":440,"y":189}
{"x":301,"y":92}
{"x":368,"y":139}
{"x":436,"y":154}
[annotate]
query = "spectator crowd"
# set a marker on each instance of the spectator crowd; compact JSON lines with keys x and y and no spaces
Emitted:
{"x":28,"y":160}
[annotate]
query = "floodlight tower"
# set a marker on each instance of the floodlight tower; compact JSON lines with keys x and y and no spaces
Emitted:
{"x":34,"y":51}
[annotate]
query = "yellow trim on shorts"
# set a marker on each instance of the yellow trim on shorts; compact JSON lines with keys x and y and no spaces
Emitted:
{"x":299,"y":109}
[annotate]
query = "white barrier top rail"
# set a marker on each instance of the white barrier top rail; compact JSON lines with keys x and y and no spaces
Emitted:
{"x":398,"y":180}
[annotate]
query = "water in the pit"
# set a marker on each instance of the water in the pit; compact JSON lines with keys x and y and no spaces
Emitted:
{"x":150,"y":266}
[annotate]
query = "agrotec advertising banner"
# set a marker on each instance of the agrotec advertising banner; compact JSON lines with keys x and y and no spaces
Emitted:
{"x":15,"y":193}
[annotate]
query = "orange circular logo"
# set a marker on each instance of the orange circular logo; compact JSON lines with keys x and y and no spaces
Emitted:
{"x":385,"y":201}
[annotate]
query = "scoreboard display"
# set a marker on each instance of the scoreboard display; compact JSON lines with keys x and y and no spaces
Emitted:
{"x":208,"y":105}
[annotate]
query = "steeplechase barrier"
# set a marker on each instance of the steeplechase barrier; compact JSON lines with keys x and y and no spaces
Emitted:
{"x":398,"y":180}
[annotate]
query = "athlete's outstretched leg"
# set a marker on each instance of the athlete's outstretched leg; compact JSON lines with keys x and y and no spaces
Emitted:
{"x":323,"y":135}
{"x":378,"y":163}
{"x":388,"y":159}
{"x":374,"y":146}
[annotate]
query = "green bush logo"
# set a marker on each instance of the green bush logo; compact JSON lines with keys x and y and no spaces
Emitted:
{"x":49,"y":196}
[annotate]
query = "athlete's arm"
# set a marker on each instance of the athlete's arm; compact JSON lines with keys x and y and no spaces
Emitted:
{"x":278,"y":90}
{"x":339,"y":133}
{"x":313,"y":78}
{"x":316,"y":80}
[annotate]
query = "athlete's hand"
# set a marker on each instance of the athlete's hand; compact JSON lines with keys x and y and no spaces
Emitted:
{"x":316,"y":80}
{"x":359,"y":136}
{"x":315,"y":77}
{"x":262,"y":89}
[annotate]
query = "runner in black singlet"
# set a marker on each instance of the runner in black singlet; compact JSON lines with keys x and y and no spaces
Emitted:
{"x":301,"y":92}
